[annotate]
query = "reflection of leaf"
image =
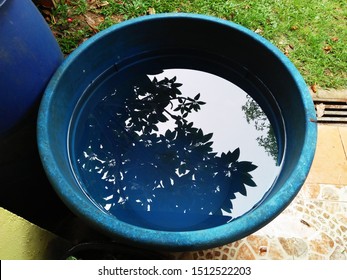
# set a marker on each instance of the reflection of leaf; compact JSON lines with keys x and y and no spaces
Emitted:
{"x":170,"y":135}
{"x":234,"y":156}
{"x":201,"y":103}
{"x":176,"y":85}
{"x":246,"y":179}
{"x":162,"y":118}
{"x":245,"y":166}
{"x":238,"y":185}
{"x":227,"y":204}
{"x":242,"y":190}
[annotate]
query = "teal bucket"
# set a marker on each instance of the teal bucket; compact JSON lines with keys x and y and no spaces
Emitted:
{"x":91,"y":174}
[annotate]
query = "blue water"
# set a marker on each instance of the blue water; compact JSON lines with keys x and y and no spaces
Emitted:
{"x":172,"y":146}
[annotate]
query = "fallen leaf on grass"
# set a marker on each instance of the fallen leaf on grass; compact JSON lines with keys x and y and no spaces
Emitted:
{"x":90,"y":21}
{"x":45,"y":3}
{"x":103,"y":4}
{"x":258,"y":31}
{"x":97,"y":4}
{"x":327,"y":49}
{"x":294,"y":27}
{"x":46,"y":12}
{"x":93,"y":20}
{"x":314,"y":88}
{"x":151,"y":11}
{"x":288,"y":49}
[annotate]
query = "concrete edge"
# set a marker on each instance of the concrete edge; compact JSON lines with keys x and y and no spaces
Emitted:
{"x":22,"y":240}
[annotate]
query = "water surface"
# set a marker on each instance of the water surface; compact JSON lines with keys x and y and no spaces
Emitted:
{"x":174,"y":148}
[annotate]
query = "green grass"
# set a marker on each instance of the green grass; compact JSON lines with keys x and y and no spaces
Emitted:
{"x":311,"y":33}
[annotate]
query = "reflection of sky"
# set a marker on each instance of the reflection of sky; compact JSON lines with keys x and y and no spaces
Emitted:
{"x":222,"y":115}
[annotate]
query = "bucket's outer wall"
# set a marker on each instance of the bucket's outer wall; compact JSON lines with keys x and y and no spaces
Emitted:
{"x":29,"y":55}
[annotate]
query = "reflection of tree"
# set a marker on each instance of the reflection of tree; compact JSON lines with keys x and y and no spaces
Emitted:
{"x":151,"y":165}
{"x":257,"y":116}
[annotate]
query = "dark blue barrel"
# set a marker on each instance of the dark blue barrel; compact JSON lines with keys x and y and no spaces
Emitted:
{"x":29,"y":55}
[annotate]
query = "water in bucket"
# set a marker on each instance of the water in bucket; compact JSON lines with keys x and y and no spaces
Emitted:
{"x":172,"y":144}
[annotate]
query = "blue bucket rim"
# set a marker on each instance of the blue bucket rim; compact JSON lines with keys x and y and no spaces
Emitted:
{"x":185,"y":240}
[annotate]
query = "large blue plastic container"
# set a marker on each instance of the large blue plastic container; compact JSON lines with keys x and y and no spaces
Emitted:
{"x":29,"y":55}
{"x":261,"y":68}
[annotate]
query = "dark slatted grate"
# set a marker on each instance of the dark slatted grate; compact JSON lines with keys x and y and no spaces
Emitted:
{"x":331,"y":110}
